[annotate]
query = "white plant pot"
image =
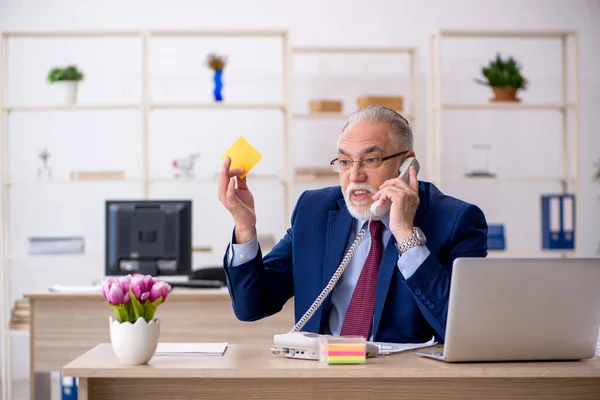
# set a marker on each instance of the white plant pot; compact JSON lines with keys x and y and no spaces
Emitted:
{"x":136,"y":343}
{"x":64,"y":92}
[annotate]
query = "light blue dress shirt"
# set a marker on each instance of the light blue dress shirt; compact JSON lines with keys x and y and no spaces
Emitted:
{"x":342,"y":293}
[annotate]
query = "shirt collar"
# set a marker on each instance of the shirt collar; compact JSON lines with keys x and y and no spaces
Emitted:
{"x":361,"y":223}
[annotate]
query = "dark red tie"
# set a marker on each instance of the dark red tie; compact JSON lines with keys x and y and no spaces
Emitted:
{"x":359,"y":317}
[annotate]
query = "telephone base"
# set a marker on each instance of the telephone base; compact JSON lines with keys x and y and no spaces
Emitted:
{"x":305,"y":346}
{"x":299,"y":345}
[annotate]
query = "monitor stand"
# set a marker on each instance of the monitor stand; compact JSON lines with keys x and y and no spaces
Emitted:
{"x":147,"y":268}
{"x":174,"y":278}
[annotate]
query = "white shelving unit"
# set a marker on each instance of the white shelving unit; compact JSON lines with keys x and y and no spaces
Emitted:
{"x":567,"y":109}
{"x":145,"y":107}
{"x":291,"y":175}
{"x":5,"y":342}
{"x":325,"y":173}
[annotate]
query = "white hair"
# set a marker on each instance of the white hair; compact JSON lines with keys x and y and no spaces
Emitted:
{"x":400,"y":128}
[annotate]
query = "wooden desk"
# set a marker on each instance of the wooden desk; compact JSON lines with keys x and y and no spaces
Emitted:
{"x":63,"y":326}
{"x":252,"y":372}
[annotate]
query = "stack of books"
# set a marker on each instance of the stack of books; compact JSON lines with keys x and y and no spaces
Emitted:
{"x":19,"y":319}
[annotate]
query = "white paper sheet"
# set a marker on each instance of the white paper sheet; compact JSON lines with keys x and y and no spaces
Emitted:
{"x":76,"y":289}
{"x":386,"y":349}
{"x":190,"y":349}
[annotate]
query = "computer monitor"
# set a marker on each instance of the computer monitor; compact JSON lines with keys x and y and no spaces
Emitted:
{"x":152,"y":237}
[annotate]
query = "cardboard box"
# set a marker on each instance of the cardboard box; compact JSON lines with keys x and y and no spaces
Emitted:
{"x":325,"y":106}
{"x":394,"y":102}
{"x":97,"y":175}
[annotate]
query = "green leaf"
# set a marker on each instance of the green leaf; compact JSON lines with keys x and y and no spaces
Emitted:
{"x":70,"y":73}
{"x":502,"y":73}
{"x":138,"y":308}
{"x":123,"y":316}
{"x":129,"y":311}
{"x":150,"y":308}
{"x":149,"y":311}
{"x":120,"y":312}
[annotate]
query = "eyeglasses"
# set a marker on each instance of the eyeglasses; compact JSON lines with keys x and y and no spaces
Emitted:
{"x":344,"y":163}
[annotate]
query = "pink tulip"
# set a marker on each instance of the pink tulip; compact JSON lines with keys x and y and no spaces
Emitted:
{"x":160,"y":289}
{"x":149,"y":281}
{"x":115,"y":294}
{"x":138,"y":285}
{"x":126,"y":298}
{"x":144,"y":297}
{"x":125,"y":281}
{"x":106,"y":283}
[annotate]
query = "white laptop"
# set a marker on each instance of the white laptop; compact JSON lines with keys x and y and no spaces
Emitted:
{"x":522,"y":310}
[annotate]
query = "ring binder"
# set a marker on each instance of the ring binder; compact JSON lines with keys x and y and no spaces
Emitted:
{"x":558,"y":221}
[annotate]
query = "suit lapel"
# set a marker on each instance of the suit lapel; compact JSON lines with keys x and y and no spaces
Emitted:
{"x":339,"y":224}
{"x":389,"y":262}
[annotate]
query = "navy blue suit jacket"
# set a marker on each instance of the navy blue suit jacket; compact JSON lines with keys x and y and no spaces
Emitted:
{"x":303,"y":261}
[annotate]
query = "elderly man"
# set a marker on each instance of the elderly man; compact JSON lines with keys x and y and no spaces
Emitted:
{"x":396,"y":286}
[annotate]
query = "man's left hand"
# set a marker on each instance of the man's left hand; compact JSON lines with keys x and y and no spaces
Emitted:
{"x":405,"y":201}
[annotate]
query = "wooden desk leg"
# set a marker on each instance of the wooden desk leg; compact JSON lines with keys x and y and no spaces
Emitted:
{"x":31,"y":350}
{"x":82,"y":390}
{"x":40,"y":383}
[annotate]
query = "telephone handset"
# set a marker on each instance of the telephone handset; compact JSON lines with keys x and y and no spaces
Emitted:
{"x":380,"y":211}
{"x":304,"y":345}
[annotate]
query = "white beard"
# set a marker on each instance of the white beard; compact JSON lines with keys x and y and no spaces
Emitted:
{"x":359,"y":211}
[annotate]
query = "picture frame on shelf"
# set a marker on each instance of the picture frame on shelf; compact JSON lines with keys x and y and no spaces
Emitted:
{"x":479,"y":162}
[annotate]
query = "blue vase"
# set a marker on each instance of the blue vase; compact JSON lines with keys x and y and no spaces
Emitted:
{"x":218,"y":85}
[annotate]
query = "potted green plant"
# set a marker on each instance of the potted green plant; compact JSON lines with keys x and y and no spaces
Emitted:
{"x":504,"y":77}
{"x":64,"y":83}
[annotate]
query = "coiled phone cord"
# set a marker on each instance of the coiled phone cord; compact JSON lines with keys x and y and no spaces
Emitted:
{"x":336,"y":276}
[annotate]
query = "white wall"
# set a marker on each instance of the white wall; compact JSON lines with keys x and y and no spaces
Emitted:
{"x":106,"y":141}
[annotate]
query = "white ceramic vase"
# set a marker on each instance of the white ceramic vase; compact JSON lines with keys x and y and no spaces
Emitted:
{"x":134,"y":343}
{"x":64,"y":92}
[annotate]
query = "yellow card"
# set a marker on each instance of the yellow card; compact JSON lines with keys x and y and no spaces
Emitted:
{"x":243,"y":155}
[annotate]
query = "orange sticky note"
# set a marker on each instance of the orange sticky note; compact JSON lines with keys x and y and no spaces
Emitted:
{"x":243,"y":155}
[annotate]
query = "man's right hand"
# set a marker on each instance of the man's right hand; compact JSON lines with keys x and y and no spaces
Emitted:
{"x":238,"y":201}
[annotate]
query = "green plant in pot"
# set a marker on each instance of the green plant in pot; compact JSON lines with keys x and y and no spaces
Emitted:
{"x":64,"y":83}
{"x":504,"y":77}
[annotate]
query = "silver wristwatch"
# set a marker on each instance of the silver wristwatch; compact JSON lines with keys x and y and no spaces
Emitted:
{"x":416,"y":239}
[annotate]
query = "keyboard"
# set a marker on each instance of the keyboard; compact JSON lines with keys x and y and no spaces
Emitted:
{"x":198,"y":283}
